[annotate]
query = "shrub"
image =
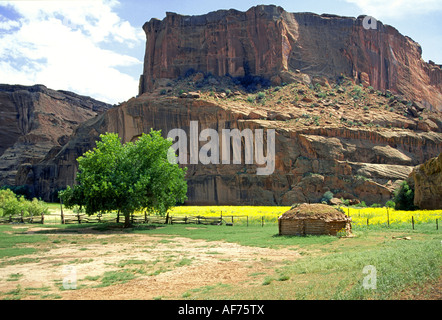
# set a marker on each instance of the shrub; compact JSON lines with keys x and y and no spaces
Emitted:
{"x":390,"y":204}
{"x":404,"y":197}
{"x":361,"y":205}
{"x":12,"y":204}
{"x":327,"y":196}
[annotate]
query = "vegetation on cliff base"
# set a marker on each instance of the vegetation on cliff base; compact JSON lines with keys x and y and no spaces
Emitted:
{"x":404,"y":197}
{"x":13,"y":205}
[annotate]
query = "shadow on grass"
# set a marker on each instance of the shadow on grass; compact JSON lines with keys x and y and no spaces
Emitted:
{"x":92,"y":228}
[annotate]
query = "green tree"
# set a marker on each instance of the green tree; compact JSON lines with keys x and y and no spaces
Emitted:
{"x":404,"y":197}
{"x":127,"y":177}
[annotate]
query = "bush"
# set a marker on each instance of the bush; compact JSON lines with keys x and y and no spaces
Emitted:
{"x":390,"y":204}
{"x":11,"y":204}
{"x":261,"y":95}
{"x":404,"y":197}
{"x":19,"y":190}
{"x":327,"y":196}
{"x":361,"y":205}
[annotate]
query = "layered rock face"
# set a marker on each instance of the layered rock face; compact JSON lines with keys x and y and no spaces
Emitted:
{"x":34,"y":120}
{"x":362,"y":162}
{"x":270,"y":42}
{"x":329,"y":136}
{"x":427,"y":180}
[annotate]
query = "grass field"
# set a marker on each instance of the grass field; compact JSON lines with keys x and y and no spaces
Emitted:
{"x":220,"y":262}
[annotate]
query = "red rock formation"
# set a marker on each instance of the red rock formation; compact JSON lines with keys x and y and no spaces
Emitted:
{"x":272,"y":43}
{"x":356,"y":163}
{"x":427,"y":180}
{"x":34,"y":120}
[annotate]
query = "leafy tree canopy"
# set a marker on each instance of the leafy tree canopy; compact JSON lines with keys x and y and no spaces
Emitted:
{"x":404,"y":197}
{"x":127,"y":177}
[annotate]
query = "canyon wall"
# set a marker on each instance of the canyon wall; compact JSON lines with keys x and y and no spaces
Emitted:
{"x":354,"y":163}
{"x":35,"y":119}
{"x":270,"y":42}
{"x":427,"y":180}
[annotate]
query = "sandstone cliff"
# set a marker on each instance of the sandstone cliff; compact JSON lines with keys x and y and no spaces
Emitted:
{"x":427,"y":180}
{"x":270,"y":42}
{"x":328,"y":144}
{"x":354,"y":110}
{"x":35,"y":119}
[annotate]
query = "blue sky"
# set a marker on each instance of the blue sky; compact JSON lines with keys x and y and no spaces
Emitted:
{"x":96,"y":47}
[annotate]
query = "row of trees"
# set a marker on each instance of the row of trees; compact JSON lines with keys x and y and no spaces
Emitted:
{"x":13,"y":205}
{"x":128,"y":177}
{"x":403,"y":198}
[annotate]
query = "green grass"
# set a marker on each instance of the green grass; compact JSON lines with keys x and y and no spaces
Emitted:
{"x":115,"y":277}
{"x":257,"y":236}
{"x":13,"y":242}
{"x":328,"y":267}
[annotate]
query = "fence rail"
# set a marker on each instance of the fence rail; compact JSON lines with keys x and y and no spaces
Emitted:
{"x":229,"y":220}
{"x":23,"y":219}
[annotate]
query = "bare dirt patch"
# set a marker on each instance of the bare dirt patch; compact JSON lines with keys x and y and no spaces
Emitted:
{"x":162,"y":266}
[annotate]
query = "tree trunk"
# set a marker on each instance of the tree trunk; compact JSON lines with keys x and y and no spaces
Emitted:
{"x":127,"y":223}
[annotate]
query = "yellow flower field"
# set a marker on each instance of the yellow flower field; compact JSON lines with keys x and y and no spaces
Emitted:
{"x":376,"y":216}
{"x":239,"y":213}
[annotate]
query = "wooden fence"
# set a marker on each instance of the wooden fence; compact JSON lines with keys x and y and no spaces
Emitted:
{"x":80,"y":218}
{"x":84,"y":218}
{"x":23,"y":219}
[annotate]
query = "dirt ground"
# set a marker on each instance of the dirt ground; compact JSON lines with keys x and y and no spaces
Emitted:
{"x":165,"y":267}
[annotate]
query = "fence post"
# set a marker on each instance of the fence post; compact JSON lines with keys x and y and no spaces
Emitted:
{"x":247,"y":220}
{"x":388,"y":217}
{"x":412,"y":222}
{"x":437,"y":225}
{"x":61,"y":211}
{"x":42,"y":218}
{"x":367,"y":222}
{"x":78,"y":217}
{"x":262,"y":221}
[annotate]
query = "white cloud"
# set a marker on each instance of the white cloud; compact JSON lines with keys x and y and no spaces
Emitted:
{"x":397,"y":8}
{"x":70,"y":45}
